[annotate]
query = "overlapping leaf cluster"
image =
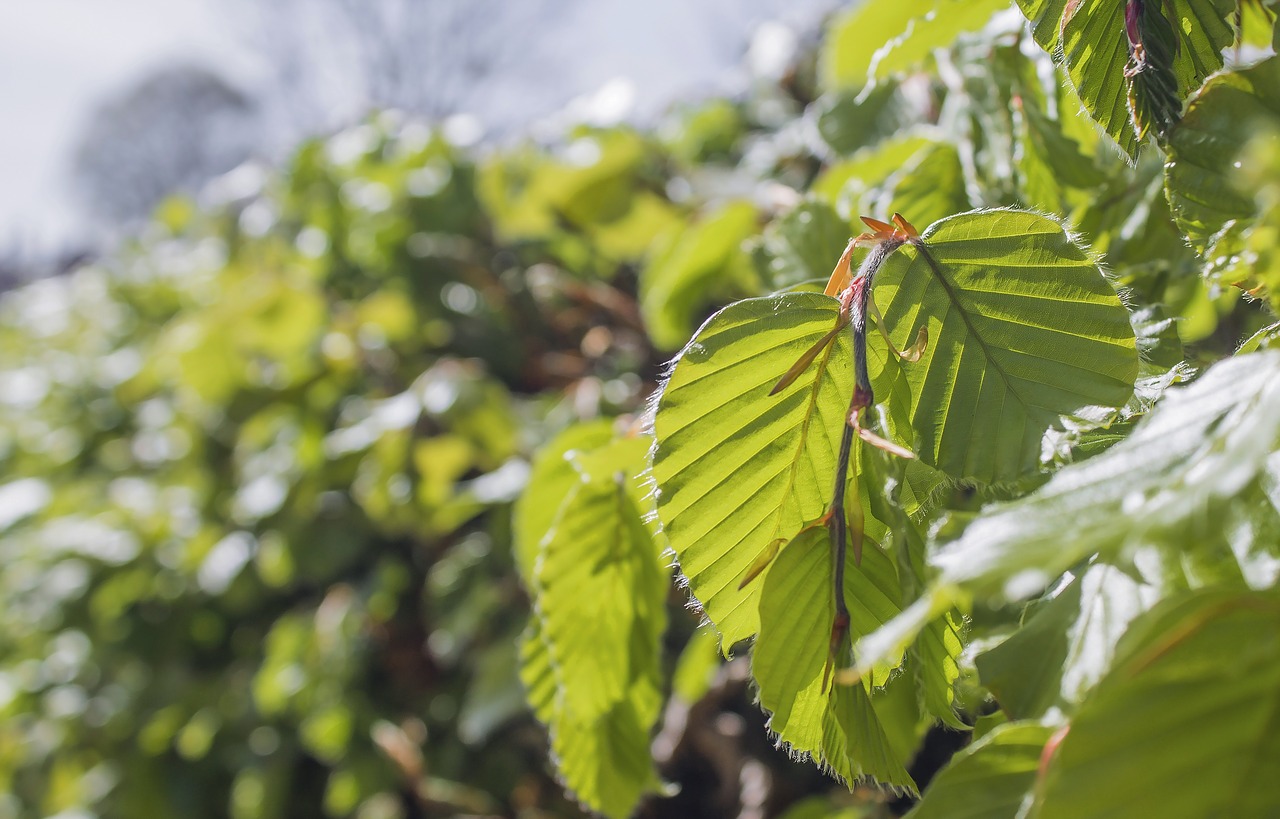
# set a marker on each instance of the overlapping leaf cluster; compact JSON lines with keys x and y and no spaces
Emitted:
{"x":262,"y":550}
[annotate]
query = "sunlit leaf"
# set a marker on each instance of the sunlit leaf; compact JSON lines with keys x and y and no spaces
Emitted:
{"x":1183,"y":42}
{"x":837,"y":726}
{"x":599,"y":593}
{"x":1062,"y":651}
{"x":550,"y":481}
{"x":604,"y":761}
{"x":1197,"y":449}
{"x":737,"y":469}
{"x":1012,"y":310}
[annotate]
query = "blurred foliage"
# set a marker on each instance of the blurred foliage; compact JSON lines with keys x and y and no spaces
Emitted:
{"x":260,"y":548}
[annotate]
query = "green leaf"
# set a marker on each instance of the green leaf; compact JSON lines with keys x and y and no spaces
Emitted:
{"x":1187,"y":723}
{"x":909,"y":30}
{"x":930,"y":187}
{"x":838,"y":727}
{"x":936,"y":28}
{"x":1184,"y":464}
{"x":803,"y":244}
{"x":988,"y":779}
{"x":1202,"y":176}
{"x":698,"y":263}
{"x":843,"y":183}
{"x":599,"y":543}
{"x":605,"y":762}
{"x":1023,"y":328}
{"x":591,"y":661}
{"x":1046,"y":21}
{"x":736,"y":469}
{"x":850,"y":122}
{"x":550,"y":481}
{"x":933,"y":657}
{"x":1182,"y":49}
{"x":1051,"y":161}
{"x":697,"y":666}
{"x":1066,"y":647}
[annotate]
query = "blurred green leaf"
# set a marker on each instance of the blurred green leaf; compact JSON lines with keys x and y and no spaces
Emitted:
{"x":989,"y":778}
{"x":1167,"y":708}
{"x":873,"y":40}
{"x":1202,"y":175}
{"x":697,"y":264}
{"x":1067,"y":644}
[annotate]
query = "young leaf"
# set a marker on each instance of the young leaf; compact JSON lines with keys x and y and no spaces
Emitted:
{"x":1023,"y":328}
{"x":1185,"y":724}
{"x":837,"y":724}
{"x":736,"y":469}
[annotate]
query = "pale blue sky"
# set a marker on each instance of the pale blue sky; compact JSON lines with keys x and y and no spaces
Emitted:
{"x":60,"y":57}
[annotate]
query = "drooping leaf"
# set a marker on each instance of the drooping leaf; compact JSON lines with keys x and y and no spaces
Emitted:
{"x":1186,"y":723}
{"x":605,"y":761}
{"x":738,"y":470}
{"x":591,"y":661}
{"x":599,"y":542}
{"x":1013,"y":310}
{"x":988,"y":779}
{"x":1183,"y":41}
{"x":839,"y":726}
